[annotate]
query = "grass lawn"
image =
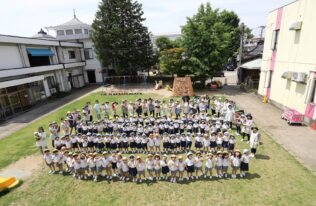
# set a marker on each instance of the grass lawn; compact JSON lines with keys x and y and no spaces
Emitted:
{"x":22,"y":143}
{"x":276,"y":178}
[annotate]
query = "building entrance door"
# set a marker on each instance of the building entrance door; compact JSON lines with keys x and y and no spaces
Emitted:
{"x":91,"y":76}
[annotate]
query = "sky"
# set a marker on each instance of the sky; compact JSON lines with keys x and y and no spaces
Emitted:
{"x":26,"y":17}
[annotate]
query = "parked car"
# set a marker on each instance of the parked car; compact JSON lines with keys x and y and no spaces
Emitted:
{"x":219,"y":74}
{"x":230,"y":67}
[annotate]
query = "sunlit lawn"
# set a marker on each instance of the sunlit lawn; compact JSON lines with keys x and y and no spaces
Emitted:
{"x":276,"y":178}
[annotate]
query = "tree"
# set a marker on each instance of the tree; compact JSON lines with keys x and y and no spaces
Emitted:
{"x":164,"y":43}
{"x":211,"y":38}
{"x":120,"y":38}
{"x":174,"y":61}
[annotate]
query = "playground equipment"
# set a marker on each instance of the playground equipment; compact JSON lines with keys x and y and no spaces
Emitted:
{"x":8,"y":183}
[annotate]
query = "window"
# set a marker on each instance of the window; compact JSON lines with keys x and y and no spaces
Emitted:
{"x":275,"y":39}
{"x":72,"y":54}
{"x":88,"y":53}
{"x":69,"y":32}
{"x":60,"y":32}
{"x":313,"y":92}
{"x":78,"y":31}
{"x":86,"y":31}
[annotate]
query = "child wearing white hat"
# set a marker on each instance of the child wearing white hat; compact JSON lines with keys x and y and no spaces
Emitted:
{"x":244,"y":165}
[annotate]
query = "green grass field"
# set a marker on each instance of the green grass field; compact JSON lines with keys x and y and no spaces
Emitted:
{"x":22,"y":143}
{"x":276,"y":178}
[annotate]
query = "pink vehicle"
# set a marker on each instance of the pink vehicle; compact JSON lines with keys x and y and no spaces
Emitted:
{"x":292,"y":116}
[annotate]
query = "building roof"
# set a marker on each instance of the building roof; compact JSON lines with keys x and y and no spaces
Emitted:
{"x":42,"y":35}
{"x":74,"y":23}
{"x":254,"y":64}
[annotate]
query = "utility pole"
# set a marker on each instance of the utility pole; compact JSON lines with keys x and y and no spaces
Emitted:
{"x":262,"y":29}
{"x":241,"y":43}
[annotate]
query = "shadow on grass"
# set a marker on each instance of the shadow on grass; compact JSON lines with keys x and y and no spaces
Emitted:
{"x":262,"y":157}
{"x":252,"y":176}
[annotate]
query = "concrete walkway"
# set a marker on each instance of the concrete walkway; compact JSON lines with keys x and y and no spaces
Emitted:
{"x":39,"y":111}
{"x":300,"y":141}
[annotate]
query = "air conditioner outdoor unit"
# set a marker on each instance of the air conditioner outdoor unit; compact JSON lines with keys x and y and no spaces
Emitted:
{"x":296,"y":26}
{"x":298,"y":77}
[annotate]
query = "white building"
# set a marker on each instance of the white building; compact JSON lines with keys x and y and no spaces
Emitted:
{"x":35,"y":68}
{"x":288,"y":71}
{"x":77,"y":31}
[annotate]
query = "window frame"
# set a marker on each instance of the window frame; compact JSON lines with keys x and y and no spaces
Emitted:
{"x":71,"y":54}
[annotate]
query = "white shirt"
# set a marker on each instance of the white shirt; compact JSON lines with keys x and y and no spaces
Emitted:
{"x":189,"y":162}
{"x":149,"y":164}
{"x":140,"y":166}
{"x":124,"y":167}
{"x":219,"y":161}
{"x":235,"y":161}
{"x":156,"y":164}
{"x":48,"y":158}
{"x":198,"y":161}
{"x":181,"y":166}
{"x":172,"y":164}
{"x":209,"y":163}
{"x":245,"y":158}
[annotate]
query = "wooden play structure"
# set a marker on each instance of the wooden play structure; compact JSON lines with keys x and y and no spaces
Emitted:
{"x":182,"y":86}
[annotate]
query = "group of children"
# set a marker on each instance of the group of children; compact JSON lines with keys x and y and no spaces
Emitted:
{"x":108,"y":165}
{"x":86,"y":147}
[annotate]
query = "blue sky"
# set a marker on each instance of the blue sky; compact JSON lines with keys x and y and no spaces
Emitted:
{"x":26,"y":17}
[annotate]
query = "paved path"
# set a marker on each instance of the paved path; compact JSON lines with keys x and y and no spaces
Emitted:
{"x":39,"y":111}
{"x":300,"y":141}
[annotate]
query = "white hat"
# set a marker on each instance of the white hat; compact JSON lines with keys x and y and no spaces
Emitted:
{"x":245,"y":151}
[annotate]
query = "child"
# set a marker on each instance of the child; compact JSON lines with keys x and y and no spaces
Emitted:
{"x":164,"y":166}
{"x":219,"y":164}
{"x":198,"y":161}
{"x":140,"y":166}
{"x":209,"y":165}
{"x":76,"y":166}
{"x":235,"y":161}
{"x":206,"y":143}
{"x":172,"y":164}
{"x":181,"y":167}
{"x":125,"y":169}
{"x":189,"y":165}
{"x":244,"y":165}
{"x":132,"y":168}
{"x":150,"y":166}
{"x":98,"y":166}
{"x":219,"y":141}
{"x":151,"y":143}
{"x":157,"y":167}
{"x":106,"y":164}
{"x":231,"y":143}
{"x":83,"y":166}
{"x":114,"y":163}
{"x":225,"y":164}
{"x":57,"y":160}
{"x":48,"y":157}
{"x":157,"y":141}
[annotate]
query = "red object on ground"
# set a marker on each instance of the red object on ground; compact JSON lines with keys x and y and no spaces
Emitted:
{"x":213,"y":87}
{"x":314,"y":126}
{"x":292,"y":116}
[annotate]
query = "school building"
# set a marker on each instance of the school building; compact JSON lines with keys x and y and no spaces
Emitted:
{"x":288,"y":70}
{"x":35,"y":68}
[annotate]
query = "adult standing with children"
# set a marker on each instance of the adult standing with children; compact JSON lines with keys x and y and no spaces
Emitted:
{"x":254,"y":140}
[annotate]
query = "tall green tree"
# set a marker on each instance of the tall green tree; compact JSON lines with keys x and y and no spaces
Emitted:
{"x":173,"y":61}
{"x":120,"y":38}
{"x":211,"y":37}
{"x":164,"y":43}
